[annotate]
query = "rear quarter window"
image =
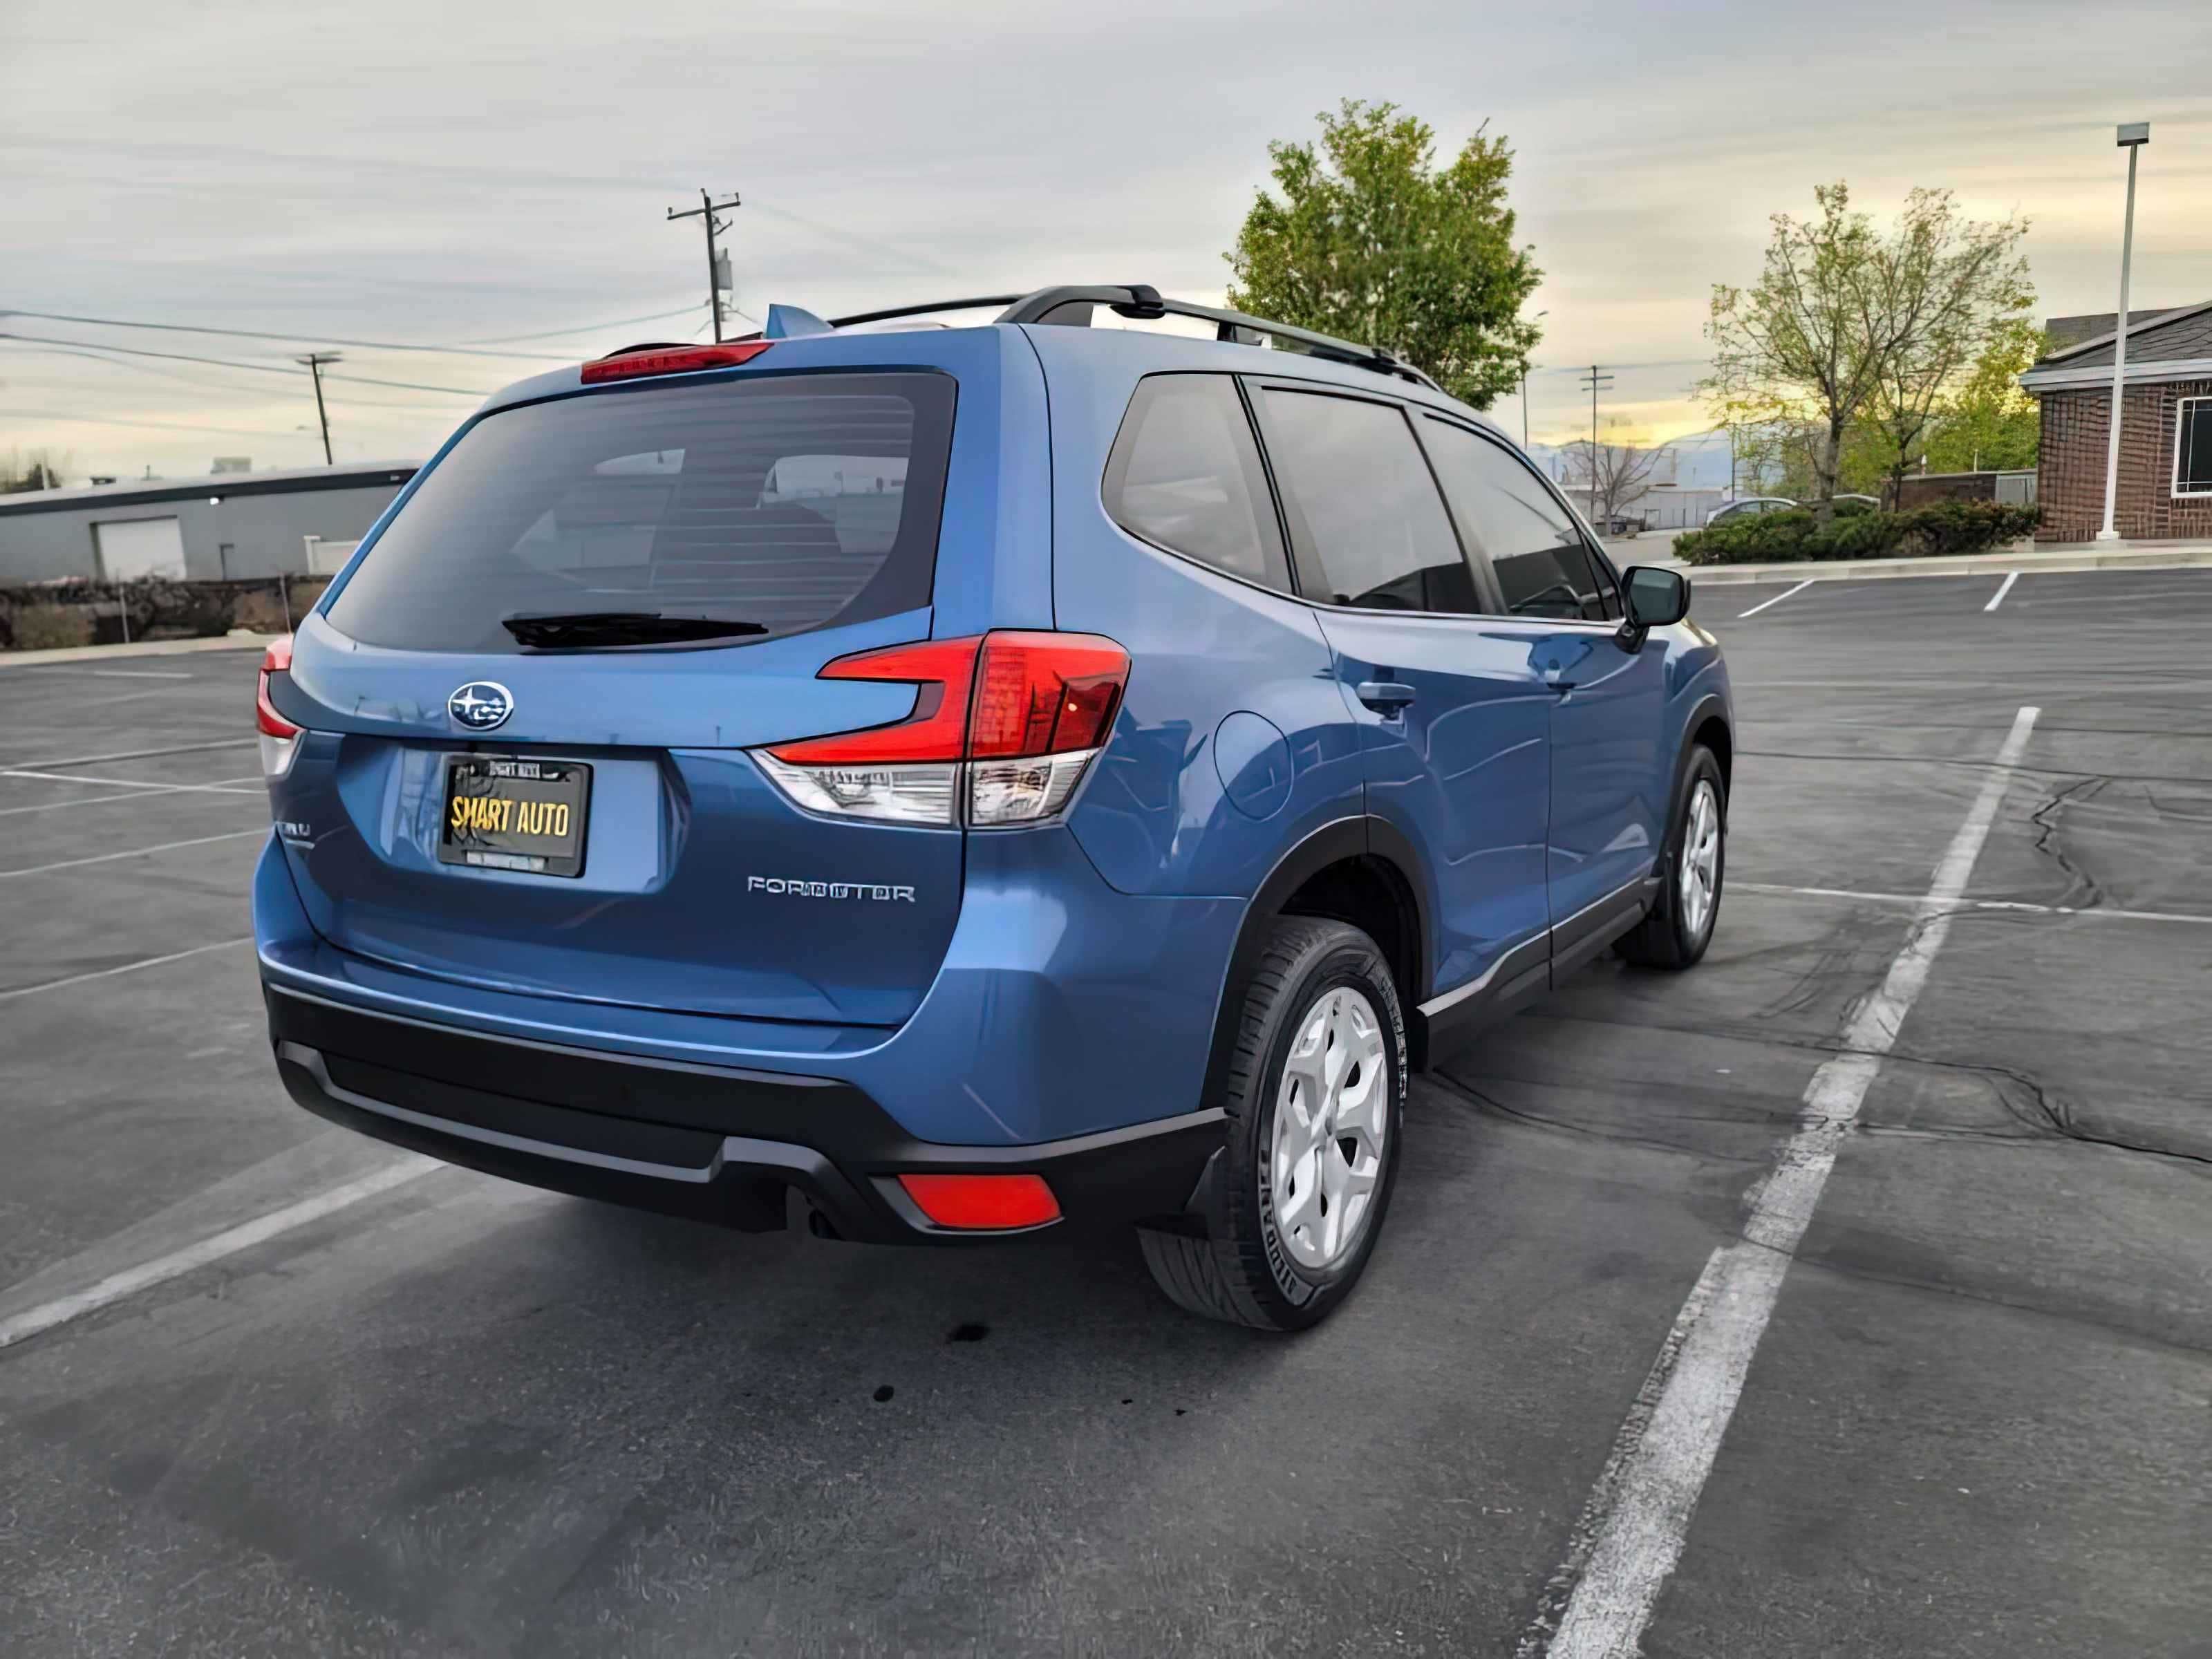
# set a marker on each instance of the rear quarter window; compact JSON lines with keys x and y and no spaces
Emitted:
{"x":1185,"y":474}
{"x":792,"y":502}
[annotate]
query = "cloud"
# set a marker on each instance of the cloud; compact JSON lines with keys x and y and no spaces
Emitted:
{"x":442,"y":172}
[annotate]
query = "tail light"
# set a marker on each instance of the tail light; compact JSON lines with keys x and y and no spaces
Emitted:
{"x":280,"y":739}
{"x":1002,"y":730}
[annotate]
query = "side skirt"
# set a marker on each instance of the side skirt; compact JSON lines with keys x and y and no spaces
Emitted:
{"x":1525,"y":971}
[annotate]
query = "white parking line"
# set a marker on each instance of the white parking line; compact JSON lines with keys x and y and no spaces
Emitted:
{"x":127,"y":968}
{"x":1776,"y":600}
{"x":131,"y":792}
{"x":130,"y":1280}
{"x":55,"y":763}
{"x":220,"y":787}
{"x":1910,"y":903}
{"x":135,"y":853}
{"x":1631,"y":1533}
{"x":2003,"y":588}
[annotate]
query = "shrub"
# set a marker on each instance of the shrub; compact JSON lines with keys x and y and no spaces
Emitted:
{"x":258,"y":611}
{"x":1941,"y":528}
{"x":51,"y":627}
{"x":262,"y":610}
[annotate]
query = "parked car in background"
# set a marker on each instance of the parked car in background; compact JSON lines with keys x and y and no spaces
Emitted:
{"x":928,"y":785}
{"x":1749,"y":507}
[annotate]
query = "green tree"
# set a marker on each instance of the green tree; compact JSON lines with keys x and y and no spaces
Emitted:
{"x":1850,"y":327}
{"x":1992,"y":422}
{"x":1365,"y":238}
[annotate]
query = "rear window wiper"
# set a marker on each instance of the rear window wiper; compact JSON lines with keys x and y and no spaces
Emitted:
{"x":583,"y":628}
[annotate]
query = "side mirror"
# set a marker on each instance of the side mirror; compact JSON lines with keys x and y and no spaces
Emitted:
{"x":1654,"y":597}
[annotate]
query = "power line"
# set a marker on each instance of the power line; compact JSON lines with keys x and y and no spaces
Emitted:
{"x":232,"y":362}
{"x":590,"y":328}
{"x":160,"y":426}
{"x":259,"y":334}
{"x":230,"y":388}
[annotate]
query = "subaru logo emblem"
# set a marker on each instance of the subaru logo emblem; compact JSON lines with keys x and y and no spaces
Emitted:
{"x":480,"y":705}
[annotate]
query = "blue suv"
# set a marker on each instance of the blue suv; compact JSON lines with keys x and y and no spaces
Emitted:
{"x":923,"y":784}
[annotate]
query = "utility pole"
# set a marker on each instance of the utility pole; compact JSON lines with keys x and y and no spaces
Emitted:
{"x":707,"y":208}
{"x":1596,"y":378}
{"x":315,"y":362}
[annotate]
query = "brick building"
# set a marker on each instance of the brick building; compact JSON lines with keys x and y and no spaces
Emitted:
{"x":2165,"y":427}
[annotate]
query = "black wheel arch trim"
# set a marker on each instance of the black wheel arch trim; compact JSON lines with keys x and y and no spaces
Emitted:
{"x":1711,"y":706}
{"x":1354,"y":835}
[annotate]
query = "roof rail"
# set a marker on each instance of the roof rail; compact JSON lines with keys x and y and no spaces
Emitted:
{"x":1073,"y":306}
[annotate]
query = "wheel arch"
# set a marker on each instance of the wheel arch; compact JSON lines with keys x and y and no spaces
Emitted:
{"x":1359,"y":869}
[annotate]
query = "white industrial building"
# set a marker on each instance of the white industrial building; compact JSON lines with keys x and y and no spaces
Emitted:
{"x":225,"y":526}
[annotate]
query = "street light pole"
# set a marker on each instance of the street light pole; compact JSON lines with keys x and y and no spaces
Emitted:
{"x":2132,"y":137}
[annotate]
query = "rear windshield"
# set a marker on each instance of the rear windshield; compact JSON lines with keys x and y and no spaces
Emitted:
{"x":787,"y":502}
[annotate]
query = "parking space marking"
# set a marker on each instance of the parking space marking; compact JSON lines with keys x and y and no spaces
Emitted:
{"x":2003,"y":588}
{"x":220,"y":787}
{"x":129,"y":1281}
{"x":1910,"y":902}
{"x":126,"y":968}
{"x":1776,"y":600}
{"x":136,"y":754}
{"x":1632,"y":1531}
{"x":135,"y":853}
{"x":132,"y":792}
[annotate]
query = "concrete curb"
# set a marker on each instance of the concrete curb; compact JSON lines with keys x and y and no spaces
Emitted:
{"x":237,"y":640}
{"x":2184,"y":556}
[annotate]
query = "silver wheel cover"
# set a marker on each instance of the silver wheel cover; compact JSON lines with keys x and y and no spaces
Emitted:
{"x":1331,"y":1112}
{"x":1700,"y":878}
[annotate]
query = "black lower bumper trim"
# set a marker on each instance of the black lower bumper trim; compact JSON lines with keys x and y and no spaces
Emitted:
{"x":715,"y":1144}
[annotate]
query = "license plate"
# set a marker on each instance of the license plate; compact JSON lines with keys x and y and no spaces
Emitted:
{"x":503,"y":813}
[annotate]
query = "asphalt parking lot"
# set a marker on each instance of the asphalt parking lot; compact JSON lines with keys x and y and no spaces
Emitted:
{"x":438,"y":1415}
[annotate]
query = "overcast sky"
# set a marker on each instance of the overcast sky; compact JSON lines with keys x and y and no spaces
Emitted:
{"x":481,"y":169}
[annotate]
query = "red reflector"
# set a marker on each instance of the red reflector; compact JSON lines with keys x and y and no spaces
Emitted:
{"x":1008,"y":696}
{"x":982,"y":1200}
{"x":628,"y":365}
{"x":277,"y":660}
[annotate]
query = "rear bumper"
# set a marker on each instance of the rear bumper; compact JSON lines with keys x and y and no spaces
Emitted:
{"x":713,"y":1143}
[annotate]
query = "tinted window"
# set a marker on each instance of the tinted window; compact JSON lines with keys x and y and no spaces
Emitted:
{"x":1185,"y":474}
{"x":2192,"y":470}
{"x":1354,"y":479}
{"x":790,"y":500}
{"x":1542,"y":565}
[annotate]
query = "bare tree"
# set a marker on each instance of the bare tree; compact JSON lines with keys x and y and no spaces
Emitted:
{"x":1615,"y":475}
{"x":1846,"y":323}
{"x":42,"y":469}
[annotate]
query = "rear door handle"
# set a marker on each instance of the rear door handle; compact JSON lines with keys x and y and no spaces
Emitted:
{"x":1385,"y":696}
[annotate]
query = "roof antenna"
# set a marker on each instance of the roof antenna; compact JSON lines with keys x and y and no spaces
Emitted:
{"x":789,"y":323}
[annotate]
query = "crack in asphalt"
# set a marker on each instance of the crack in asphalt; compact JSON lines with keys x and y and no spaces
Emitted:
{"x":2047,"y":842}
{"x":2044,"y":1117}
{"x":1965,"y":764}
{"x":1843,"y":1269}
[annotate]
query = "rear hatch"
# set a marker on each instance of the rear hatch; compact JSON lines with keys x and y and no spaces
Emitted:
{"x":528,"y":704}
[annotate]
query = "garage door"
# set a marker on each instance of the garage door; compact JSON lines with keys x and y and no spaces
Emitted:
{"x":132,"y":548}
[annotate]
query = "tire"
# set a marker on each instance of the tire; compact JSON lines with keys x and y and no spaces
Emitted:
{"x":1267,"y":1257}
{"x":1676,"y":933}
